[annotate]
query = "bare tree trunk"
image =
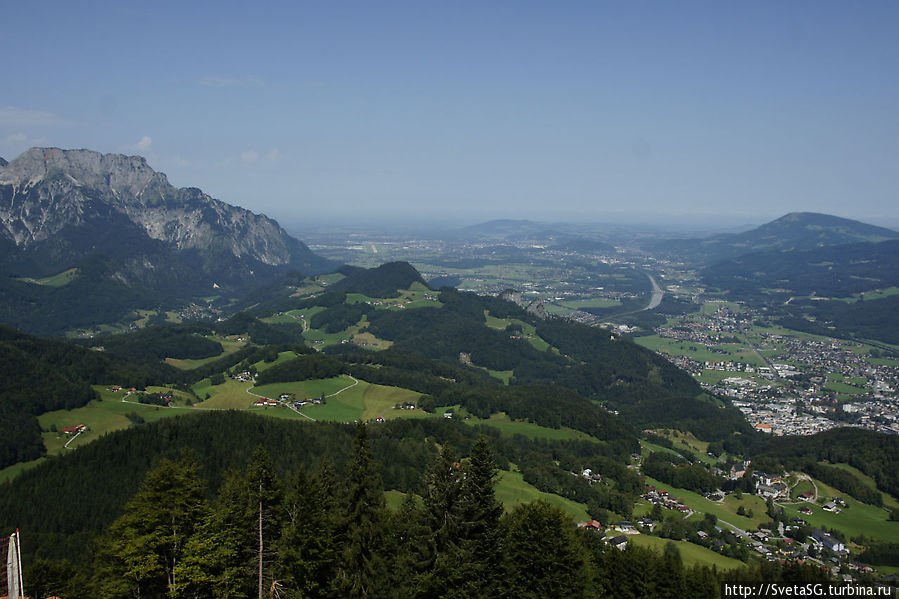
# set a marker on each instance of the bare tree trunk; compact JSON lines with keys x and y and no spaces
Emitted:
{"x":260,"y":545}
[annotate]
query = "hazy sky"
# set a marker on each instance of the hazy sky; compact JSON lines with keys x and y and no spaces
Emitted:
{"x":473,"y":110}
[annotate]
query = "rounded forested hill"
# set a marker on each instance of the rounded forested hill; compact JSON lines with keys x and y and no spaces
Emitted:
{"x":383,"y":281}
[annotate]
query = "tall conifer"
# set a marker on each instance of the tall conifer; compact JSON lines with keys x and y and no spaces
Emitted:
{"x":362,"y":570}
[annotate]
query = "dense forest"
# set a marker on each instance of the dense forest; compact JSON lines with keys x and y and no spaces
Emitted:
{"x":863,"y":318}
{"x":845,"y":271}
{"x":831,"y":271}
{"x":875,"y":454}
{"x":321,"y":528}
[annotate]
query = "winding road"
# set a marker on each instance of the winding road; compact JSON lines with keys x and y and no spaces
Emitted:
{"x":294,"y":408}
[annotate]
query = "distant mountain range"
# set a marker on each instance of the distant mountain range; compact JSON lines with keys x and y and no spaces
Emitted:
{"x":122,"y":231}
{"x":794,"y":231}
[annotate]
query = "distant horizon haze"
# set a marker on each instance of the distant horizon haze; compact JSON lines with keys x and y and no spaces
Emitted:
{"x":708,"y":114}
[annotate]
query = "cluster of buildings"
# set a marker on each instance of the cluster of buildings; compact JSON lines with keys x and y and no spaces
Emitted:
{"x":783,"y":418}
{"x":795,"y":392}
{"x":666,"y":500}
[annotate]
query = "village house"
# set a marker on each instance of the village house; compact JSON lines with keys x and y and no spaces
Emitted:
{"x":827,"y":541}
{"x":619,"y":542}
{"x":593,"y":525}
{"x":627,"y":528}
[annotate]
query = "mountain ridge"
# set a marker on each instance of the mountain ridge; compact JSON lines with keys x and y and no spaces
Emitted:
{"x":793,"y":231}
{"x":47,"y":191}
{"x":132,"y":240}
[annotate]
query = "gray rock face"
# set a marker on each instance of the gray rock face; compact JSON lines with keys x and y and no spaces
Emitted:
{"x":47,"y":192}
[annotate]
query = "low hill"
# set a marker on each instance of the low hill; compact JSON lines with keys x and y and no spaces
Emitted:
{"x":40,"y":375}
{"x":844,"y":291}
{"x":383,"y":281}
{"x":831,"y":271}
{"x":794,"y":231}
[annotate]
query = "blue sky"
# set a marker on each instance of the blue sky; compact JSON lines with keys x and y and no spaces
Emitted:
{"x":465,"y":111}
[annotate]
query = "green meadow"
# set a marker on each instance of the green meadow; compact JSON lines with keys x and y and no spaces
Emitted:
{"x":691,"y":554}
{"x":347,"y":400}
{"x":511,"y":490}
{"x":856,"y":520}
{"x":732,"y":352}
{"x":102,"y":416}
{"x":725,"y":510}
{"x":888,"y":500}
{"x":528,"y":330}
{"x":509,"y":427}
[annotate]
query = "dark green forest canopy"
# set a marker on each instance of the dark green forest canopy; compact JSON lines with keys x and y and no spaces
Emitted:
{"x":40,"y":375}
{"x":875,"y":454}
{"x":74,"y":496}
{"x":833,"y":271}
{"x":383,"y":281}
{"x":326,"y":532}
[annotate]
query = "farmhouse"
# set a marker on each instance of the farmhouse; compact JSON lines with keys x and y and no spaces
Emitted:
{"x":591,"y":525}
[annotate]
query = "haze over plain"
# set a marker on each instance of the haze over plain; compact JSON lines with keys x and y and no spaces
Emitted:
{"x":465,"y":112}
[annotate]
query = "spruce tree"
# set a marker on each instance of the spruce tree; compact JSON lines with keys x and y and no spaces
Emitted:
{"x":410,"y":544}
{"x":306,"y":550}
{"x":219,"y":561}
{"x":362,"y":570}
{"x":481,"y":512}
{"x":443,"y":506}
{"x":141,"y":552}
{"x":543,"y":556}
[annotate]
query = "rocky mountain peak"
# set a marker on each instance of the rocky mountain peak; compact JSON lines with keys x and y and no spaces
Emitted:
{"x":123,"y":174}
{"x":62,"y":205}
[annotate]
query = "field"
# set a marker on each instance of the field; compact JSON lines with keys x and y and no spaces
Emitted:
{"x":729,"y":352}
{"x":726,"y":510}
{"x":509,"y":427}
{"x":228,"y":345}
{"x":366,"y":339}
{"x":10,"y":472}
{"x":101,"y":416}
{"x":231,"y":395}
{"x":347,"y":399}
{"x":528,"y":330}
{"x":594,"y":302}
{"x":503,"y":375}
{"x":414,"y":297}
{"x":888,"y":500}
{"x":691,"y":443}
{"x":691,"y":555}
{"x":511,"y":490}
{"x":858,"y":519}
{"x":57,"y":280}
